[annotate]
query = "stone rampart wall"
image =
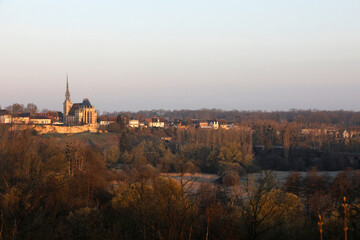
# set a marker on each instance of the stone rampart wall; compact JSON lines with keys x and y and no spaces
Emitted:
{"x":43,"y":129}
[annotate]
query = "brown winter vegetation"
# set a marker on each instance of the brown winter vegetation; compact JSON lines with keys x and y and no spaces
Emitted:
{"x":112,"y":186}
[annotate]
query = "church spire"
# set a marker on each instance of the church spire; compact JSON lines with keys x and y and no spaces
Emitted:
{"x":67,"y":94}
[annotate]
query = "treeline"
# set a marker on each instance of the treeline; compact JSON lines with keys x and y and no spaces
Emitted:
{"x":20,"y":108}
{"x":284,"y":146}
{"x":62,"y":189}
{"x":340,"y":117}
{"x":179,"y":150}
{"x":260,"y":144}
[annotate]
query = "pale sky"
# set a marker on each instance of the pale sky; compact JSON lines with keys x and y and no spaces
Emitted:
{"x":189,"y":54}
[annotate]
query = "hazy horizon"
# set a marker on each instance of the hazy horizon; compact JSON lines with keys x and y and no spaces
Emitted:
{"x":144,"y":55}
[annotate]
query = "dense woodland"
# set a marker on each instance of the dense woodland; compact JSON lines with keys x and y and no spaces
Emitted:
{"x":253,"y":145}
{"x":87,"y":187}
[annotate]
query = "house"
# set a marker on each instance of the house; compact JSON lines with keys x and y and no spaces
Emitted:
{"x":39,"y":120}
{"x":104,"y":120}
{"x":155,"y":122}
{"x":133,"y":123}
{"x":5,"y":119}
{"x":313,"y":131}
{"x":204,"y":125}
{"x":22,"y":118}
{"x":179,"y":123}
{"x":158,"y":122}
{"x":355,"y":134}
{"x":56,"y":117}
{"x":225,"y":126}
{"x":345,"y":134}
{"x":5,"y":116}
{"x":214,"y":124}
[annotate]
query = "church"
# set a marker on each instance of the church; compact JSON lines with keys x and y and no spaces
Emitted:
{"x":78,"y":113}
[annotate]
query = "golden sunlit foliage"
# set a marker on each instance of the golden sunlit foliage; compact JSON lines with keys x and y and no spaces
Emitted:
{"x":67,"y":189}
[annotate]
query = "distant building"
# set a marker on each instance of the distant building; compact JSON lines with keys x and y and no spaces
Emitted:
{"x":55,"y":116}
{"x":155,"y":122}
{"x":78,"y":113}
{"x":178,"y":123}
{"x":204,"y":124}
{"x":22,"y":118}
{"x":133,"y":123}
{"x":214,"y":124}
{"x":355,"y":134}
{"x":5,"y":116}
{"x":345,"y":134}
{"x":104,"y":120}
{"x":39,"y":120}
{"x":225,"y":126}
{"x":313,"y":131}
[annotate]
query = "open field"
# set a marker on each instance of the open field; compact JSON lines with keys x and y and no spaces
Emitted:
{"x":97,"y":140}
{"x":194,"y":180}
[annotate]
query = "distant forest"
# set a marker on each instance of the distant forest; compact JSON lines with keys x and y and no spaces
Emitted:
{"x":344,"y":118}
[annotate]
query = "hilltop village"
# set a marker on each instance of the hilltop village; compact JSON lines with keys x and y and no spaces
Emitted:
{"x":82,"y":117}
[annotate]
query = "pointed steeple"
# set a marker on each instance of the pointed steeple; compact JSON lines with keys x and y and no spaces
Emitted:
{"x":67,"y":94}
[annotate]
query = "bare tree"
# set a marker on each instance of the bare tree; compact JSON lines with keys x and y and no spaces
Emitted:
{"x":15,"y":108}
{"x":31,"y":108}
